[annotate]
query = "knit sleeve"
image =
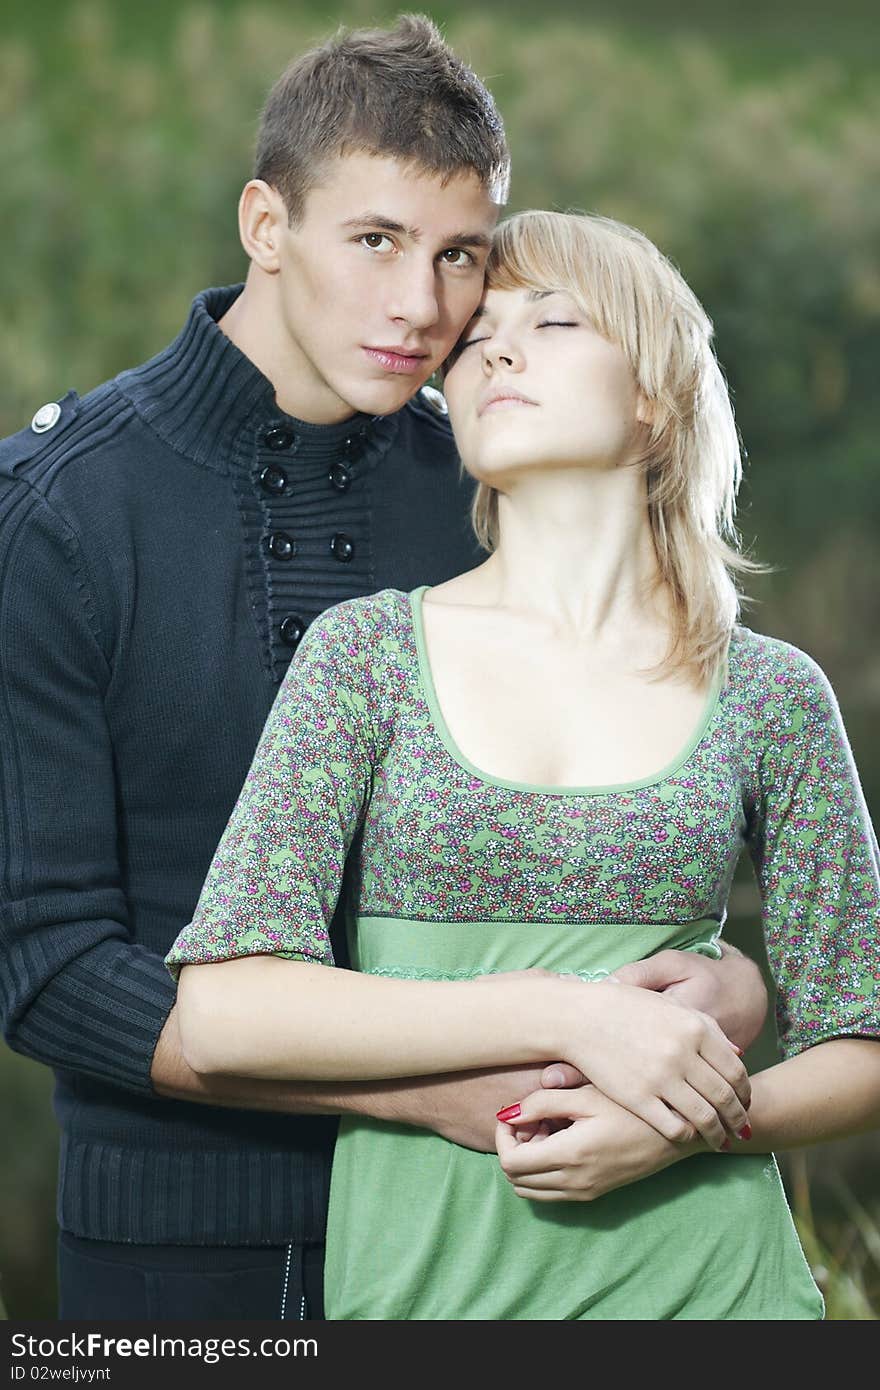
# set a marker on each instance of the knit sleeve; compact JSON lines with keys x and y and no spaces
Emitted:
{"x":76,"y":990}
{"x":275,"y":879}
{"x":815,"y":856}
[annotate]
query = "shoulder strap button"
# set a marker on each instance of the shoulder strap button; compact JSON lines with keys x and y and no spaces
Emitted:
{"x":46,"y":418}
{"x":435,"y":399}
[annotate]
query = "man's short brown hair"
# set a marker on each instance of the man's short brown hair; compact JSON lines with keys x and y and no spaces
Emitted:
{"x":397,"y":92}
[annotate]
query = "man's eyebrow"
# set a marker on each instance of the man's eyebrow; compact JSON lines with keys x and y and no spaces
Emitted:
{"x":388,"y":224}
{"x":470,"y":239}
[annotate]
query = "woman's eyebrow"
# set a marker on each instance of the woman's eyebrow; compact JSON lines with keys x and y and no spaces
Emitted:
{"x":532,"y":296}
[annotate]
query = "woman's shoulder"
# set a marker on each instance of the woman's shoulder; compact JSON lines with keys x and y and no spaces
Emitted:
{"x":362,"y":643}
{"x":367,"y":620}
{"x":772,"y":674}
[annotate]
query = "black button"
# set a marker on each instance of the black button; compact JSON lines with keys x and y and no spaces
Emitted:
{"x":353,"y":446}
{"x":342,"y":546}
{"x":273,"y":478}
{"x":281,"y":545}
{"x":279,"y":437}
{"x":340,"y":477}
{"x":292,"y":630}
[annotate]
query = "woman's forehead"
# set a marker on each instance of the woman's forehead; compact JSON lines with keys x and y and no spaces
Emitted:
{"x":496,"y":297}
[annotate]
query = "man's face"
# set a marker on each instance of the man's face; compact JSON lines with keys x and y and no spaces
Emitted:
{"x":377,"y":281}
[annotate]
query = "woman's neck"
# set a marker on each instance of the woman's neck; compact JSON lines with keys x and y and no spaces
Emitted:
{"x":576,"y":551}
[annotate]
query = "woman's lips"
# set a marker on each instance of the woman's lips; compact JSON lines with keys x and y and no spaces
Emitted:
{"x":394,"y":361}
{"x":502,"y":403}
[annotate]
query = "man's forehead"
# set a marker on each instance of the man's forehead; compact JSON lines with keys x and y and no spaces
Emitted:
{"x":358,"y":186}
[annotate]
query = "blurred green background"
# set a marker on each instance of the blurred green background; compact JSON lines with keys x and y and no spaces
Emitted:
{"x":745,"y":139}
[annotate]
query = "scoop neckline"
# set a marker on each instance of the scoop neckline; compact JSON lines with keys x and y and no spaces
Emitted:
{"x":426,"y":680}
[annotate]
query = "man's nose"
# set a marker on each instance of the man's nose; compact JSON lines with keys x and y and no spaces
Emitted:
{"x":415,"y":301}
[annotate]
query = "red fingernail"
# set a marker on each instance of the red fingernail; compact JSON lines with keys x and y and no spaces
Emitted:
{"x":726,"y":1145}
{"x":511,"y":1112}
{"x":737,"y":1050}
{"x":745,"y":1132}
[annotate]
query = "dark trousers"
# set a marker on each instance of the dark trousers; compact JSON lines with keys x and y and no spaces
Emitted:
{"x":98,"y":1279}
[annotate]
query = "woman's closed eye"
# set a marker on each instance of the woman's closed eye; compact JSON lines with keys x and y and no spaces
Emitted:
{"x":545,"y":323}
{"x":472,"y":342}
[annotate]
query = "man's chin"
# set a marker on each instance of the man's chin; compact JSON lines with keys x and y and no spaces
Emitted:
{"x":384,"y":397}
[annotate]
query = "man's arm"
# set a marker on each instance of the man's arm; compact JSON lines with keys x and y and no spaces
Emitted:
{"x":75,"y":990}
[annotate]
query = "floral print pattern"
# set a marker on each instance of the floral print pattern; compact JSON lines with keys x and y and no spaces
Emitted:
{"x":352,"y":746}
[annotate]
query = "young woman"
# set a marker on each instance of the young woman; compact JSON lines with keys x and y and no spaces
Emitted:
{"x":524,"y":778}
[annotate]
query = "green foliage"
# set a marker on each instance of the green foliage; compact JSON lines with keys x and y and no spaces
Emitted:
{"x":121,"y":165}
{"x":844,"y":1254}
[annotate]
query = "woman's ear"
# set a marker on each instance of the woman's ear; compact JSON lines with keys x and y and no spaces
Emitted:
{"x":644,"y":409}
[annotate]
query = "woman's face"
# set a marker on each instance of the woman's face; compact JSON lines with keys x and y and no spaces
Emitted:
{"x":533,"y":385}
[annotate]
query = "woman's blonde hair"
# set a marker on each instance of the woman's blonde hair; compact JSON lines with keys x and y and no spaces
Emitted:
{"x":637,"y":299}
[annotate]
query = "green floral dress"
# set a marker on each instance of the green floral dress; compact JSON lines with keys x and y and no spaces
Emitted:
{"x":357,"y":788}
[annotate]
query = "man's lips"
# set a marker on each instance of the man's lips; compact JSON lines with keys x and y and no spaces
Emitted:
{"x":395,"y":359}
{"x":502,"y":399}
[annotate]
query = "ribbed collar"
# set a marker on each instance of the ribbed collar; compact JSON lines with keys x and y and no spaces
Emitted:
{"x":202,"y":392}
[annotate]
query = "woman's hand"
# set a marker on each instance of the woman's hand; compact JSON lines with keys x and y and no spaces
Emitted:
{"x":671,"y":1066}
{"x":576,"y":1145}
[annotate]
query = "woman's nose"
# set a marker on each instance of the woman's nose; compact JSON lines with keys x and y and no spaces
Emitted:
{"x":501,"y":351}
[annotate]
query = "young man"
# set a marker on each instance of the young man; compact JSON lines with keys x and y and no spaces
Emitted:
{"x":164,"y":543}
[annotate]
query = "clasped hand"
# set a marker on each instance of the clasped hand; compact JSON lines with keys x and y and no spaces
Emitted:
{"x":577,"y":1145}
{"x":671,"y":1066}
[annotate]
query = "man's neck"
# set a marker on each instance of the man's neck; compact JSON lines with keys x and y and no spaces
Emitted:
{"x":254,"y":324}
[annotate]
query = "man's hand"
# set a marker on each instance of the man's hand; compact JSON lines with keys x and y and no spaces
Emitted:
{"x":462,"y":1108}
{"x":582,"y":1145}
{"x":730,"y":990}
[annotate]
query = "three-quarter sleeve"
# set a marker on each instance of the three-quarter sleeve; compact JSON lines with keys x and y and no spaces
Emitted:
{"x":275,"y":878}
{"x":816,"y":860}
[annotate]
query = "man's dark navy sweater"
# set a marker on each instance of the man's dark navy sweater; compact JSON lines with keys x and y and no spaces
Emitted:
{"x":163,"y":546}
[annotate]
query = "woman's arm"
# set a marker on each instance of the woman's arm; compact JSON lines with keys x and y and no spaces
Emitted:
{"x":276,"y":1019}
{"x":815,"y":858}
{"x":461,"y":1106}
{"x":828,"y":1092}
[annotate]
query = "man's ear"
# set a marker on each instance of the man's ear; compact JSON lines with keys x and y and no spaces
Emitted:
{"x":262,"y":216}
